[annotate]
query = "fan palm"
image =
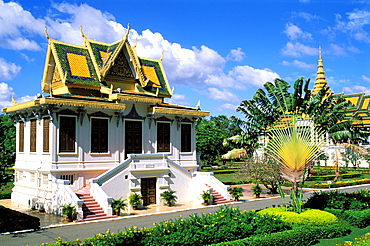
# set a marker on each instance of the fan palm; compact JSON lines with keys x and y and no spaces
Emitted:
{"x":295,"y":147}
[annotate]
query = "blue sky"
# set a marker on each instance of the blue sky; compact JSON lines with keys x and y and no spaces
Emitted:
{"x":219,"y":52}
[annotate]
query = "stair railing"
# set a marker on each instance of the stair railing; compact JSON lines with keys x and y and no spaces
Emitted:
{"x":63,"y":195}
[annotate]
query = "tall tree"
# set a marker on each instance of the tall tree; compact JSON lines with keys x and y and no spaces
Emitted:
{"x":211,"y":134}
{"x":7,"y":148}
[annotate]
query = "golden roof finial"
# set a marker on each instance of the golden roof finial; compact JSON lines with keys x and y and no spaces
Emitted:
{"x":13,"y":100}
{"x":46,"y":32}
{"x":162,"y":56}
{"x":137,"y":41}
{"x":128,"y":31}
{"x":82,"y":33}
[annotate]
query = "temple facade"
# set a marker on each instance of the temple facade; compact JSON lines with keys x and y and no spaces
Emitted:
{"x":104,"y":131}
{"x":360,"y":107}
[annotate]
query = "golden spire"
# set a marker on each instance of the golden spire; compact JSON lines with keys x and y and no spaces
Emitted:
{"x":320,"y":79}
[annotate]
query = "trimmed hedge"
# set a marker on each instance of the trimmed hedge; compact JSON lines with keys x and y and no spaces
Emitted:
{"x":360,"y":219}
{"x":11,"y":220}
{"x":226,"y":224}
{"x":303,"y":236}
{"x":341,"y":183}
{"x":309,"y":217}
{"x":358,"y":200}
{"x":332,"y":176}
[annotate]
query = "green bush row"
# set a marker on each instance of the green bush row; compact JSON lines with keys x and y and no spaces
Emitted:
{"x":226,"y":224}
{"x":360,"y":219}
{"x":332,"y":176}
{"x":303,"y":236}
{"x":358,"y":200}
{"x":341,"y":183}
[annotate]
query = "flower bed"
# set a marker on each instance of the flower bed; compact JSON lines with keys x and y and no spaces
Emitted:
{"x":341,"y":183}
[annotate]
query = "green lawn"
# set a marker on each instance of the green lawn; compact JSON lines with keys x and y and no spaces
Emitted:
{"x":356,"y":233}
{"x":231,"y":177}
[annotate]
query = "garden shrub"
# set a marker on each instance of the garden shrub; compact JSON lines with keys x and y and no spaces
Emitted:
{"x":226,"y":224}
{"x":11,"y":220}
{"x":360,"y":219}
{"x":308,"y":217}
{"x":303,"y":236}
{"x":358,"y":200}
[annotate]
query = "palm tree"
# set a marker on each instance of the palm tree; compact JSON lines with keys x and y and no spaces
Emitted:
{"x":275,"y":105}
{"x":295,"y":147}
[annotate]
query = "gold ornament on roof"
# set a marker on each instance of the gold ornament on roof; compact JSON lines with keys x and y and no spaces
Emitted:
{"x":320,"y":82}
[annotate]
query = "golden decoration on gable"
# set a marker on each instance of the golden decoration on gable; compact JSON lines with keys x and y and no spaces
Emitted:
{"x":121,"y":67}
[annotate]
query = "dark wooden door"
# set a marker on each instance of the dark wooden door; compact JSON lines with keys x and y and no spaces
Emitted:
{"x":148,"y":187}
{"x":133,"y":137}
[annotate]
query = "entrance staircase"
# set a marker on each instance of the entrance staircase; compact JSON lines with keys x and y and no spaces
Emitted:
{"x":217,"y":197}
{"x":91,"y":209}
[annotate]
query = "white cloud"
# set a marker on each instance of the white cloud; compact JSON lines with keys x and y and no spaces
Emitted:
{"x":298,"y":49}
{"x":96,"y":24}
{"x":177,"y":99}
{"x":305,"y":15}
{"x":221,"y":95}
{"x":236,"y":55}
{"x":299,"y":64}
{"x":364,"y":78}
{"x":252,"y":76}
{"x":20,"y":26}
{"x":354,"y":25}
{"x":25,"y":99}
{"x":6,"y":94}
{"x":294,"y":32}
{"x":8,"y":70}
{"x":356,"y":89}
{"x":227,"y":106}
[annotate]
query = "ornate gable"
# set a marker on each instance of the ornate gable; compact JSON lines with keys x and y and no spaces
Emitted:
{"x":98,"y":68}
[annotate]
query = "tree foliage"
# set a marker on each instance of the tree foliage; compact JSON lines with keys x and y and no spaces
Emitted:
{"x":274,"y":105}
{"x":211,"y":134}
{"x":7,"y":148}
{"x":263,"y":170}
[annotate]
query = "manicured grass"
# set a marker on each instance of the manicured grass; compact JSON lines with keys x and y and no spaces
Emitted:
{"x":226,"y":177}
{"x":356,"y":233}
{"x":231,"y":177}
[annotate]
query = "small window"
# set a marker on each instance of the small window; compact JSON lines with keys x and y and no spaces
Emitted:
{"x":69,"y":177}
{"x":21,"y":137}
{"x":67,"y":134}
{"x":163,"y":137}
{"x":33,"y":136}
{"x":185,"y":137}
{"x":46,"y":135}
{"x":99,"y":135}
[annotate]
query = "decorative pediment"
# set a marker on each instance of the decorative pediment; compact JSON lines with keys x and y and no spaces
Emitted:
{"x":121,"y":67}
{"x":163,"y":118}
{"x":133,"y":114}
{"x":100,"y":114}
{"x":66,"y":112}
